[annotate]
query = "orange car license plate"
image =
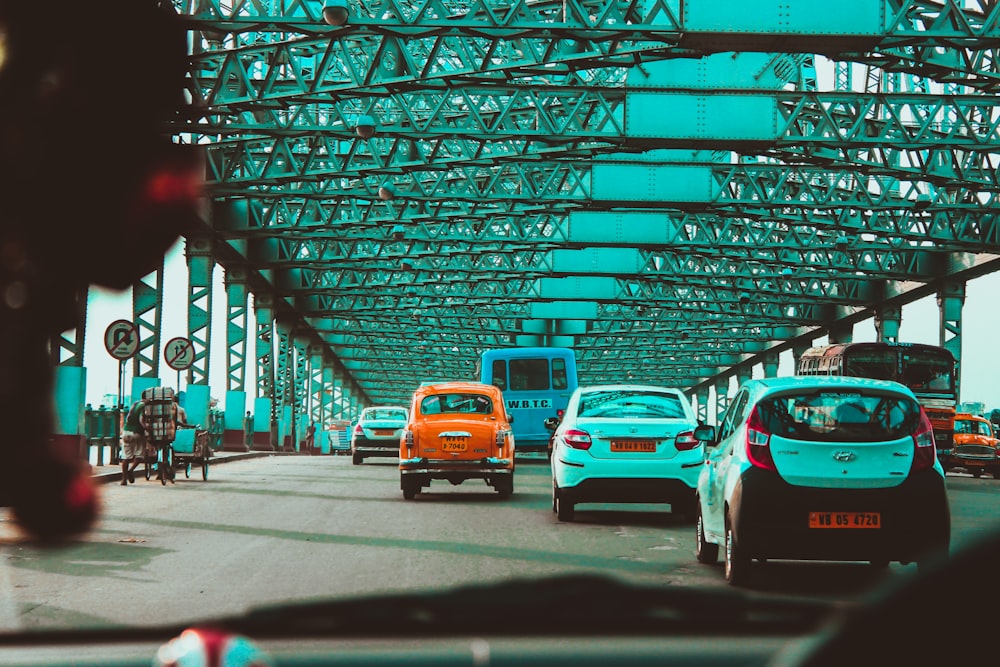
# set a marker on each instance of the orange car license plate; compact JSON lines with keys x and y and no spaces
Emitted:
{"x":845,"y":520}
{"x":633,"y":445}
{"x":384,"y":431}
{"x":453,"y":445}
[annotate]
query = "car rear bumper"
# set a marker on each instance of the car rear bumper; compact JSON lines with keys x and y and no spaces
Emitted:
{"x":771,"y":519}
{"x":480,"y":467}
{"x":582,"y":474}
{"x":631,"y":490}
{"x":376,"y":450}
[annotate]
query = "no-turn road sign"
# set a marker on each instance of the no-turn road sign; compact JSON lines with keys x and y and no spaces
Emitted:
{"x":178,"y":353}
{"x":121,"y":339}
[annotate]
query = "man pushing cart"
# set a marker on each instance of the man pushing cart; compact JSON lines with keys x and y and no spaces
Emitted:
{"x":160,"y":421}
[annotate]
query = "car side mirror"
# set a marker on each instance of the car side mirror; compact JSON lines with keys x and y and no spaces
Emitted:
{"x":705,"y":434}
{"x":510,"y":418}
{"x":551,"y":424}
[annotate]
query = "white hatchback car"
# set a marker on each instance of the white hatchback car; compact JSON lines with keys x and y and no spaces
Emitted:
{"x":378,"y":431}
{"x":821,"y":468}
{"x":625,"y":443}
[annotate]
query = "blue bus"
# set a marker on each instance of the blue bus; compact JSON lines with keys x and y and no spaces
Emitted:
{"x":536,"y":383}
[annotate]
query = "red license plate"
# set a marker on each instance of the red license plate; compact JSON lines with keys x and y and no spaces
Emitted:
{"x":633,"y":445}
{"x":845,"y":520}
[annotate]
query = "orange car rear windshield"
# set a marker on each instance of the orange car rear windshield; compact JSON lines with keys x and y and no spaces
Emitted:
{"x":437,"y":404}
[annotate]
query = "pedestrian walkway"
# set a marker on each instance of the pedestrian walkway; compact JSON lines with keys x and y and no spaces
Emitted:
{"x":113,"y":473}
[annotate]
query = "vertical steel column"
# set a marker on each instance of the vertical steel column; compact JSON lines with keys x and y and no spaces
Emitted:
{"x":284,"y":384}
{"x":237,"y":318}
{"x":327,"y":393}
{"x":147,"y":309}
{"x":770,"y":364}
{"x":264,"y":348}
{"x":300,"y":394}
{"x":721,"y":397}
{"x":237,"y":322}
{"x":840,"y":332}
{"x":70,"y":388}
{"x":315,"y":398}
{"x":887,"y":319}
{"x":701,"y":396}
{"x":798,"y":349}
{"x":950,"y":299}
{"x":200,"y":264}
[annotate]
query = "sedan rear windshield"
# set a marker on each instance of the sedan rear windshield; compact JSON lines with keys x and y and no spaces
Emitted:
{"x":631,"y":405}
{"x":839,"y":416}
{"x":436,"y":404}
{"x":398,"y":415}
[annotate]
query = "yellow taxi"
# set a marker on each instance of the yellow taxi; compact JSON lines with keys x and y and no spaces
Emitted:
{"x":976,"y":446}
{"x":457,"y":431}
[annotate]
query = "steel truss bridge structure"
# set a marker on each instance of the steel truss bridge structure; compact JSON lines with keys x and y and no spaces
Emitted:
{"x":679,"y":189}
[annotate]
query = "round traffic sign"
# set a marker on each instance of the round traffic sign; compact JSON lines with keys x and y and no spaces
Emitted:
{"x":178,"y":353}
{"x":121,"y":339}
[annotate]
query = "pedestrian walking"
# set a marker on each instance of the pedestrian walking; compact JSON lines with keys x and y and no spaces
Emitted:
{"x":133,"y":442}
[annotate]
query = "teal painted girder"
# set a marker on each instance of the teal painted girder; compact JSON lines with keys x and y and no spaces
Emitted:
{"x":939,"y":138}
{"x":433,"y":40}
{"x":493,"y":125}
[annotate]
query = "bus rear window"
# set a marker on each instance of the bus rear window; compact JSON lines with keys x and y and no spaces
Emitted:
{"x":880,"y":365}
{"x":529,"y":374}
{"x":499,"y":374}
{"x":929,"y":374}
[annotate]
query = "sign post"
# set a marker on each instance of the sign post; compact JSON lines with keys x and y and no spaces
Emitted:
{"x":121,"y":340}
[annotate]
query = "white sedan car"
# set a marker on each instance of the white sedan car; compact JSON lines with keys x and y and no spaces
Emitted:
{"x":378,"y":431}
{"x":625,"y":443}
{"x":821,"y":468}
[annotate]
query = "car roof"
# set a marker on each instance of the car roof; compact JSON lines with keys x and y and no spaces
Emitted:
{"x":457,"y":386}
{"x":969,"y":415}
{"x":626,"y":387}
{"x":833,"y":381}
{"x":386,"y":407}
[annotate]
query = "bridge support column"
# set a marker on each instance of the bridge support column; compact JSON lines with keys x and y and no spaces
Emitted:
{"x":950,"y":300}
{"x":840,"y":332}
{"x":798,"y":350}
{"x":69,"y":438}
{"x":887,"y":319}
{"x":770,"y":364}
{"x":701,"y":409}
{"x":234,"y":436}
{"x":721,"y":398}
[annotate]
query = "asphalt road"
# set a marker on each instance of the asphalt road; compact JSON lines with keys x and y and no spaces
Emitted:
{"x":266,"y":530}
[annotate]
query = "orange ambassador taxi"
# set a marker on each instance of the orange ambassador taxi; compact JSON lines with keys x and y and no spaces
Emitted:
{"x":457,"y":431}
{"x":976,"y":447}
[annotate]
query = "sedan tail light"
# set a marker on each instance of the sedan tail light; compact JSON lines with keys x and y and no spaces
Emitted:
{"x":759,"y":442}
{"x":685,"y":441}
{"x":358,"y":430}
{"x":408,"y":439}
{"x":924,"y":452}
{"x":576,"y":438}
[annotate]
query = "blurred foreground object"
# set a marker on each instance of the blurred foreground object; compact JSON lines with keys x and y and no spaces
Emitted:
{"x":93,"y":192}
{"x":210,"y":648}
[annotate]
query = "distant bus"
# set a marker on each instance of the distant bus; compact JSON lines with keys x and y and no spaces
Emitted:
{"x":536,"y":383}
{"x":928,"y":370}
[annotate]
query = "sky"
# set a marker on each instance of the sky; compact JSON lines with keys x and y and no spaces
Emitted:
{"x":919,"y":324}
